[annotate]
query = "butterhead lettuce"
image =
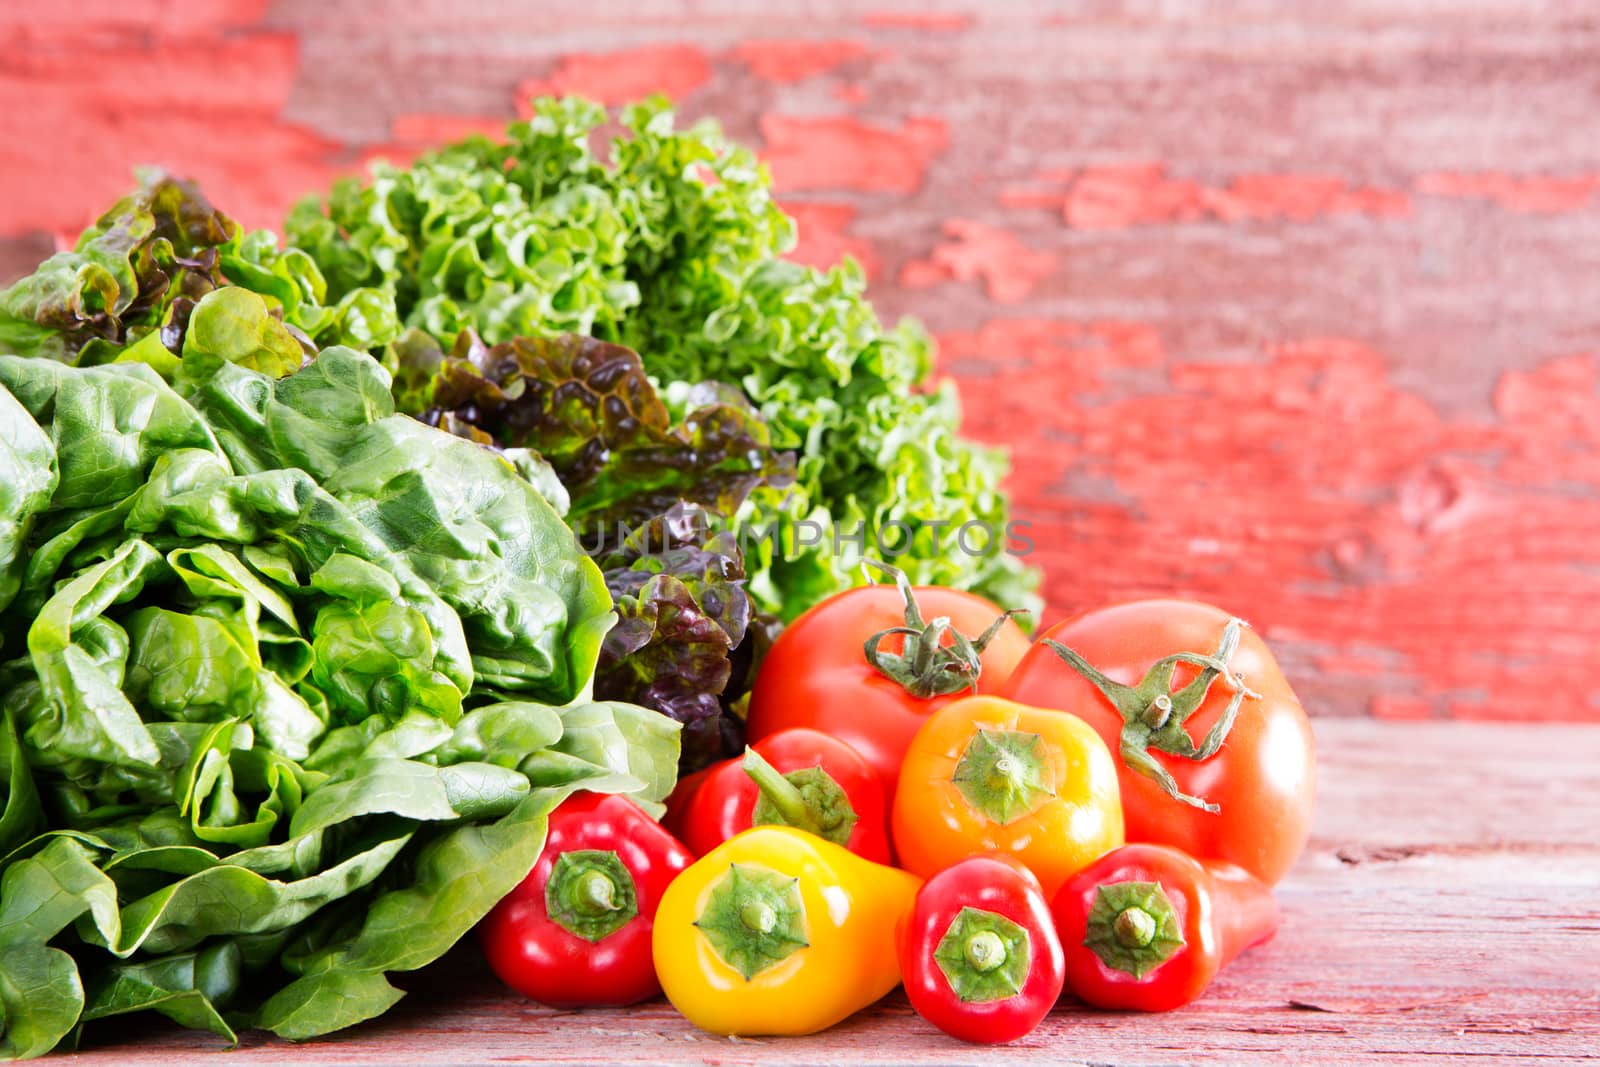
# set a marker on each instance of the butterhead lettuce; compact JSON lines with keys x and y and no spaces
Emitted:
{"x":288,"y":683}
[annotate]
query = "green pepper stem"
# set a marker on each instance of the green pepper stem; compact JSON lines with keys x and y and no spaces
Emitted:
{"x":984,"y":956}
{"x":1134,"y":927}
{"x":985,"y":951}
{"x":591,"y":893}
{"x":780,"y":792}
{"x":754,"y":918}
{"x":758,"y":916}
{"x":595,"y":894}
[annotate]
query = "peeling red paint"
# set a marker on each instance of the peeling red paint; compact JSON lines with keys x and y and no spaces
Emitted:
{"x":1535,"y":193}
{"x":207,"y":107}
{"x":1110,"y":197}
{"x":101,"y":17}
{"x":796,"y":60}
{"x":429,"y":131}
{"x":622,"y":77}
{"x":1142,"y":194}
{"x":841,"y":152}
{"x":1315,"y":497}
{"x":1009,"y":269}
{"x":824,"y":237}
{"x":850,"y":93}
{"x":942,"y":21}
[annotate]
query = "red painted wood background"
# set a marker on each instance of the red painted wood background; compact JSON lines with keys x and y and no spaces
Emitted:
{"x":1293,"y":307}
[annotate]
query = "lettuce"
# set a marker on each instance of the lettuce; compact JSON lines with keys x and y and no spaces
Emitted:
{"x":140,"y":271}
{"x":671,"y":248}
{"x":289,"y":682}
{"x":651,"y":492}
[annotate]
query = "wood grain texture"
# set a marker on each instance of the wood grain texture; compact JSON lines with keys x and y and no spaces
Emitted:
{"x":1288,"y":307}
{"x":1448,"y":907}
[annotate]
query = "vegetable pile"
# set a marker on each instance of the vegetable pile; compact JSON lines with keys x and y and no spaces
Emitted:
{"x":1051,"y":864}
{"x":333,"y":574}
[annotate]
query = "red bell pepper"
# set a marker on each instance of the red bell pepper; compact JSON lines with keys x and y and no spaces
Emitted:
{"x":1148,"y":927}
{"x":979,"y":953}
{"x":576,"y":932}
{"x":801,"y":778}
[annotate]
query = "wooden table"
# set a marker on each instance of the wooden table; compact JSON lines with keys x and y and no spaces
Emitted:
{"x":1448,"y":906}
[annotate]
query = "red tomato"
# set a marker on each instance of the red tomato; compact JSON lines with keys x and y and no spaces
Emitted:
{"x":1263,"y":778}
{"x":817,"y":674}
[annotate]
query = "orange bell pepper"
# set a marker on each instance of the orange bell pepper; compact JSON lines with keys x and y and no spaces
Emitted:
{"x":985,"y":774}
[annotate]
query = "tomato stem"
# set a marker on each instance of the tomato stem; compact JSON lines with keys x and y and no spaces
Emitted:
{"x":926,"y":666}
{"x":1153,"y":715}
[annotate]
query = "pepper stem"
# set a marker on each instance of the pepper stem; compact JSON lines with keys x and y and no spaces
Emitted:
{"x":925,"y":665}
{"x":808,"y":799}
{"x":596,"y":894}
{"x":1153,"y":715}
{"x":779,"y":791}
{"x":590,"y":893}
{"x":758,"y":916}
{"x":1004,"y":774}
{"x":984,"y":955}
{"x":754,"y":918}
{"x":985,"y":951}
{"x":1133,"y":927}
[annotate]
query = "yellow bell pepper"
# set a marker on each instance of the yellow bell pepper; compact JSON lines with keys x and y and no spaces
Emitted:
{"x":777,"y":931}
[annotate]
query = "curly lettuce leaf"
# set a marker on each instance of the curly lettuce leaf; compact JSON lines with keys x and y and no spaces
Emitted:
{"x":155,"y":259}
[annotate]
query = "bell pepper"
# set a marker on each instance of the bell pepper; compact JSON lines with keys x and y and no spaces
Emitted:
{"x":800,"y":778}
{"x":777,"y":931}
{"x":576,"y":931}
{"x":1148,"y":927}
{"x":991,"y":775}
{"x":979,"y":953}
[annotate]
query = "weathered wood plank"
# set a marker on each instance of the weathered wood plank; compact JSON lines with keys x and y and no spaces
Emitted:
{"x":1448,"y":907}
